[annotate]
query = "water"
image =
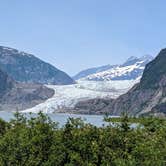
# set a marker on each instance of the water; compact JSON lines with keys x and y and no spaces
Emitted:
{"x":61,"y":118}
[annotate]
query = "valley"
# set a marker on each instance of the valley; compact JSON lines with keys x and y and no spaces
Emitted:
{"x":32,"y":85}
{"x":82,"y":83}
{"x":67,"y":96}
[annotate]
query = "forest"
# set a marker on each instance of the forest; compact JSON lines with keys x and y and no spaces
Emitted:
{"x":38,"y":141}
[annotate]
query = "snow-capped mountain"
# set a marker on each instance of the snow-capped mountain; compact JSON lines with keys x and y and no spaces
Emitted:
{"x":130,"y":70}
{"x":93,"y":70}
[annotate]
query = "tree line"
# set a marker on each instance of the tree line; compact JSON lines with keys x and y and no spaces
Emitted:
{"x":38,"y":141}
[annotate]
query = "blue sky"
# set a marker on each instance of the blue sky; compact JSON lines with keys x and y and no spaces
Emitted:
{"x":77,"y":34}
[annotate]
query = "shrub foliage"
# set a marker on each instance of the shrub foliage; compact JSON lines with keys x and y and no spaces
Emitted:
{"x":40,"y":142}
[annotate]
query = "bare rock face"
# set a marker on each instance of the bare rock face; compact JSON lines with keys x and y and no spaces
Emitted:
{"x":17,"y":96}
{"x":6,"y":83}
{"x":159,"y":109}
{"x":92,"y":106}
{"x":148,"y":95}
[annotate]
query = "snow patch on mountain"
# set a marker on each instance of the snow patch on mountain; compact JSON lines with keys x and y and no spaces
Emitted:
{"x":93,"y":70}
{"x":131,"y":69}
{"x":116,"y":72}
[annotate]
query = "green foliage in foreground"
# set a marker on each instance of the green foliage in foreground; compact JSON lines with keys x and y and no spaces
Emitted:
{"x":40,"y":142}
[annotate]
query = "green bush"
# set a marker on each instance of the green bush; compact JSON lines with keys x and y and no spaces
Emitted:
{"x":40,"y":142}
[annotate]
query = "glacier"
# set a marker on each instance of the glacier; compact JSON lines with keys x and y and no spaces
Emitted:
{"x":66,"y":96}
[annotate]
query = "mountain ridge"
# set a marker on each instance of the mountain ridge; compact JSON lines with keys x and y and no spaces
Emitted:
{"x":92,"y":70}
{"x":24,"y":67}
{"x":131,"y":69}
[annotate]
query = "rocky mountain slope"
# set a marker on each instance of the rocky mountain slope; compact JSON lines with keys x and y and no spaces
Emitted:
{"x":17,"y":96}
{"x":131,"y":69}
{"x":25,"y":67}
{"x":146,"y":97}
{"x":6,"y":83}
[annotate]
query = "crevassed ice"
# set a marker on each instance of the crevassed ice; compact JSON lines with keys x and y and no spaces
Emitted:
{"x":66,"y":96}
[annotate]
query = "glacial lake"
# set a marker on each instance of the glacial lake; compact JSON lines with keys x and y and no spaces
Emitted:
{"x":61,"y":118}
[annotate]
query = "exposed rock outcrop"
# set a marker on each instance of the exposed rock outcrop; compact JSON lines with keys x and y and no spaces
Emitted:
{"x":17,"y":96}
{"x":146,"y":97}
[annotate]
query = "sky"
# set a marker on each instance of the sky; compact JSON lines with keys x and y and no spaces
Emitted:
{"x":77,"y":34}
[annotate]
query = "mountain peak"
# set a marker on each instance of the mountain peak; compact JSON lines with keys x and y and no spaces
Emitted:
{"x":13,"y":52}
{"x":24,"y":67}
{"x":131,"y":69}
